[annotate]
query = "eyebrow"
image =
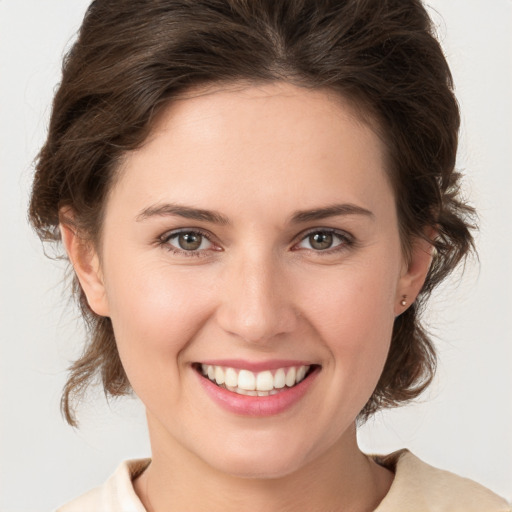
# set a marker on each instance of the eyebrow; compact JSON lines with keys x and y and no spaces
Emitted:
{"x":334,"y":210}
{"x":299,"y":216}
{"x":187,"y":212}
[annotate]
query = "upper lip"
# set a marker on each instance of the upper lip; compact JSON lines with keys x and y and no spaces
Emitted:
{"x":256,"y":366}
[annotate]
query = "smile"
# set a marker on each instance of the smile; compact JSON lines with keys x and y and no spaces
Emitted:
{"x":246,"y":382}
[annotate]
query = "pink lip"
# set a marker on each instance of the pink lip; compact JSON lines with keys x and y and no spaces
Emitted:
{"x":257,"y":405}
{"x":253,"y":366}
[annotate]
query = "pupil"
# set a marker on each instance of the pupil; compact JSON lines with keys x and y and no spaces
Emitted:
{"x":321,"y":241}
{"x":190,"y":241}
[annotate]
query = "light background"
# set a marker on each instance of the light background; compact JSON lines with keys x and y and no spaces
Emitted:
{"x":463,"y":424}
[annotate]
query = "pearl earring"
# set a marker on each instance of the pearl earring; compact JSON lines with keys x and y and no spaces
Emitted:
{"x":403,"y":302}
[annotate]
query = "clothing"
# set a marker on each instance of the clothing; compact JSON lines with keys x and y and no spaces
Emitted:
{"x":417,"y":487}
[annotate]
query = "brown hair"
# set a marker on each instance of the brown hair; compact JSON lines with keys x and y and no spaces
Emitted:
{"x":132,"y":57}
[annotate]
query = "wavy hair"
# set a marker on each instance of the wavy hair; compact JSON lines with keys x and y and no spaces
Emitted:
{"x":133,"y":57}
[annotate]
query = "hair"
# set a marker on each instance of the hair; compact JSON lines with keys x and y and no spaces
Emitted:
{"x":133,"y":57}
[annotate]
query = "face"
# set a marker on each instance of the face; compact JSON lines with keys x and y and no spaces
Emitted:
{"x":253,"y":239}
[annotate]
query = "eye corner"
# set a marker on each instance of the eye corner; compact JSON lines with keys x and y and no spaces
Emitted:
{"x":345,"y":239}
{"x":201,"y":243}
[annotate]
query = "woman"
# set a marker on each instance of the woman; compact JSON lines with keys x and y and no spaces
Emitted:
{"x":257,"y":199}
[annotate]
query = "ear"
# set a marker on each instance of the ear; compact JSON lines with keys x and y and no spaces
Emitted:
{"x":414,"y":272}
{"x":86,"y":265}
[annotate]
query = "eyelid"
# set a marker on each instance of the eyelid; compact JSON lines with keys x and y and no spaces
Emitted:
{"x":174,"y":232}
{"x":348,"y":239}
{"x":164,"y":241}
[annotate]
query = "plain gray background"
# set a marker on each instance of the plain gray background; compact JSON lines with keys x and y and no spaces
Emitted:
{"x":463,"y":423}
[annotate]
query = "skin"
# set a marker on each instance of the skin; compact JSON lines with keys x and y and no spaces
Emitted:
{"x":258,"y":291}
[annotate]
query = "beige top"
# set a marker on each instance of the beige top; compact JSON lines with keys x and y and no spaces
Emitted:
{"x":417,"y":487}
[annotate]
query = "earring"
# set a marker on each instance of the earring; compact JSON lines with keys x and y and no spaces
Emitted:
{"x":403,"y":302}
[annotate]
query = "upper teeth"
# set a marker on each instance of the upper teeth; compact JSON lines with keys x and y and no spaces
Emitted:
{"x":245,"y":380}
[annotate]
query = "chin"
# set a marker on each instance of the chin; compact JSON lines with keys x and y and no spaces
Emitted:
{"x":260,"y":460}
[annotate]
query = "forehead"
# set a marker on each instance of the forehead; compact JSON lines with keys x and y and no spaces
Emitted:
{"x":220,"y":107}
{"x":254,"y":144}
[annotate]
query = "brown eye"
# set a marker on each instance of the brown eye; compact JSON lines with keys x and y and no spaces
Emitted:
{"x":190,"y":241}
{"x":325,"y":239}
{"x":321,"y":240}
{"x":193,"y":242}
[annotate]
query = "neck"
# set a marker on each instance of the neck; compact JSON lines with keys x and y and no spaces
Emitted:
{"x":343,"y":479}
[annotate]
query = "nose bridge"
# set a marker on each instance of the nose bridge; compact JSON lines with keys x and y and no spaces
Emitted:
{"x":256,"y":303}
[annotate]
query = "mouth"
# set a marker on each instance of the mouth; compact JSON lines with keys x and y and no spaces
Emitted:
{"x":257,"y":384}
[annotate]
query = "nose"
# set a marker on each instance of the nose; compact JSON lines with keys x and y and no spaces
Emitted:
{"x":257,"y":304}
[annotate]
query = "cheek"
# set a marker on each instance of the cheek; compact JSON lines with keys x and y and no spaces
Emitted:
{"x":154,"y":315}
{"x":353,"y":313}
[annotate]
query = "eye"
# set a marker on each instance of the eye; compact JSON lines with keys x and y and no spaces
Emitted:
{"x":192,"y":242}
{"x":325,"y":239}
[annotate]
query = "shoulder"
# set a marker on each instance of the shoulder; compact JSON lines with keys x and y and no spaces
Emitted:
{"x":421,"y":487}
{"x":115,"y":495}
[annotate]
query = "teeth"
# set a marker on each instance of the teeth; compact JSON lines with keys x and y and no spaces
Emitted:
{"x":264,"y":381}
{"x":280,"y":379}
{"x":301,"y":373}
{"x":245,"y":382}
{"x":231,"y":378}
{"x":219,"y":375}
{"x":290,"y":376}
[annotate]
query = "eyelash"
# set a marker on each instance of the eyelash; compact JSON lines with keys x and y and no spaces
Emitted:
{"x":346,"y":241}
{"x":166,"y":237}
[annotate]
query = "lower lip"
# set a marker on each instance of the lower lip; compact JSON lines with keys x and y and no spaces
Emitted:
{"x":257,"y":405}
